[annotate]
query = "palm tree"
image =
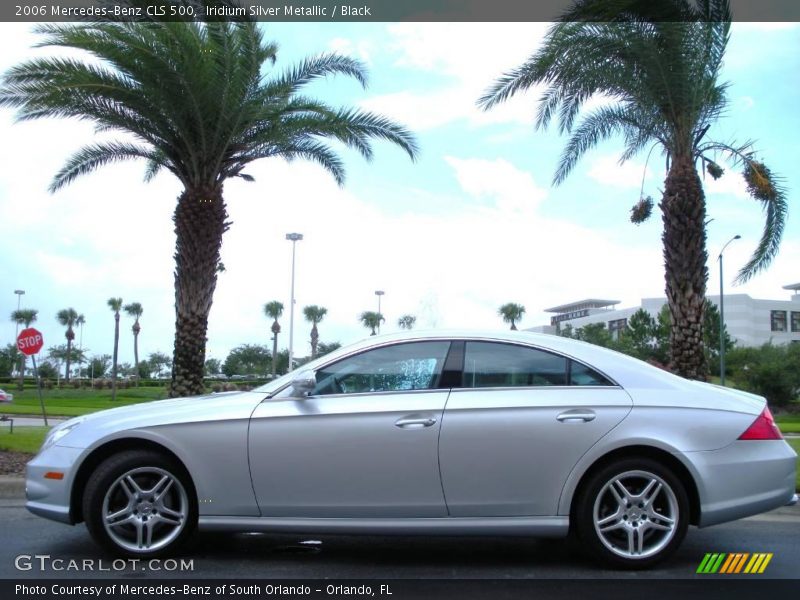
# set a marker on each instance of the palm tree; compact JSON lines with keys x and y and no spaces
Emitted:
{"x":407,"y":322}
{"x":274,"y":310}
{"x":314,"y":314}
{"x":192,"y":98}
{"x":371,"y":320}
{"x":68,"y":317}
{"x":115,"y":304}
{"x":657,"y":67}
{"x":511,"y":313}
{"x":135,"y":310}
{"x":24,"y":317}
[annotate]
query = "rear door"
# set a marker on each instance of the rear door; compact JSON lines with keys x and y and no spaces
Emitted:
{"x":518,"y":423}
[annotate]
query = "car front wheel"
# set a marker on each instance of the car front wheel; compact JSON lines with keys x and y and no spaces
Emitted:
{"x":139,"y":503}
{"x":632,"y":514}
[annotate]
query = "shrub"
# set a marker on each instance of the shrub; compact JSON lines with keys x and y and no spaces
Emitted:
{"x":770,"y":371}
{"x":216,"y":388}
{"x":98,"y":384}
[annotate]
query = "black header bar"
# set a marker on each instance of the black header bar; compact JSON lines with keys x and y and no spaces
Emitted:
{"x":337,"y":11}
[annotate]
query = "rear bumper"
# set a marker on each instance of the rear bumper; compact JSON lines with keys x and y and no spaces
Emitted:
{"x":744,"y":479}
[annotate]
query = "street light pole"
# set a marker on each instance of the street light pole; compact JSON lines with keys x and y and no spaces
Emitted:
{"x":379,"y":293}
{"x":722,"y":314}
{"x":294,"y":238}
{"x":20,"y":294}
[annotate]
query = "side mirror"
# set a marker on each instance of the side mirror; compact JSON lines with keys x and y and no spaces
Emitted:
{"x":303,"y":383}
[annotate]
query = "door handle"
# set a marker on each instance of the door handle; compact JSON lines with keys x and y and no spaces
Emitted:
{"x":414,"y":422}
{"x":576,"y":415}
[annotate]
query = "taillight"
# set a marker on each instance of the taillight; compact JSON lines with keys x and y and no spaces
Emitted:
{"x":763,"y":428}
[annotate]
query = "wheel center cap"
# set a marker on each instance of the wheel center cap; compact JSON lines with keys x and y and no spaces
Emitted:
{"x":635,"y":514}
{"x":145,"y":507}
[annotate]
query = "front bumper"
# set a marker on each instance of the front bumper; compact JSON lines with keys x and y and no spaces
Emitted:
{"x":50,"y":498}
{"x":745,"y":478}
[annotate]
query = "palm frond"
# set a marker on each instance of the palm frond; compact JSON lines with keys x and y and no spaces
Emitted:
{"x":89,"y":158}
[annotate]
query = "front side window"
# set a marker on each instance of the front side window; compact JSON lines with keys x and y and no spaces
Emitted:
{"x":778,"y":320}
{"x":489,"y":364}
{"x":401,"y":367}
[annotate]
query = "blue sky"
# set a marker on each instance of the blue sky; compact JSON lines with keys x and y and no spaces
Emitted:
{"x":473,"y":224}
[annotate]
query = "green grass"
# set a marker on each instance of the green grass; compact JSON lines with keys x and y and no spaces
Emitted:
{"x":72,"y":403}
{"x":788,"y":423}
{"x":24,"y":439}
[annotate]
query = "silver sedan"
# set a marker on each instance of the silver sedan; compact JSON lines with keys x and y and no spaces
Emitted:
{"x":455,"y":433}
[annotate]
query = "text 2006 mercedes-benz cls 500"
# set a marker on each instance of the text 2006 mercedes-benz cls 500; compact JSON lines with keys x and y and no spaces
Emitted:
{"x":456,"y":433}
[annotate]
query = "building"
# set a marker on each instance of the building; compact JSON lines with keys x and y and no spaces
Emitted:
{"x":750,"y":321}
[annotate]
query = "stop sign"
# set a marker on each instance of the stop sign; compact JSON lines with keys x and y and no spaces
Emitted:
{"x":30,"y":341}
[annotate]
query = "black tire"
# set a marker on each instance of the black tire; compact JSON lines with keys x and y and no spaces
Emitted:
{"x":147,"y":509}
{"x":629,"y":522}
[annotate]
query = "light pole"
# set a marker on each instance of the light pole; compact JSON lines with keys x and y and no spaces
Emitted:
{"x":722,"y":314}
{"x":294,"y":238}
{"x":379,"y":293}
{"x":20,"y":294}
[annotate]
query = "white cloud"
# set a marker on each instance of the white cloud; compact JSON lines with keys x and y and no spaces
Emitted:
{"x":745,"y":103}
{"x":607,"y":171}
{"x":362,"y":50}
{"x":465,"y":58}
{"x":511,"y":189}
{"x":731,"y":183}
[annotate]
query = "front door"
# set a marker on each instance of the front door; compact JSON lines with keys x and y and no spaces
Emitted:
{"x":362,"y":444}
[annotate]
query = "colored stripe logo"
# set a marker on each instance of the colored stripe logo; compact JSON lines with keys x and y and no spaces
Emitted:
{"x":734,"y":562}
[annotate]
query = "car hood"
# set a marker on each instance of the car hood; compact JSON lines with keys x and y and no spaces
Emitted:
{"x":214,"y":407}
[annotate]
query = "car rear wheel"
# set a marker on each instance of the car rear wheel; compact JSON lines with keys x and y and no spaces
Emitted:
{"x":139,"y":503}
{"x":632,"y":514}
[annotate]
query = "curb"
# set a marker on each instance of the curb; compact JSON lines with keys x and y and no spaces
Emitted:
{"x":12,"y":488}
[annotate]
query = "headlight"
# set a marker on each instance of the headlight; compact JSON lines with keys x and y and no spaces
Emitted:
{"x":58,"y":432}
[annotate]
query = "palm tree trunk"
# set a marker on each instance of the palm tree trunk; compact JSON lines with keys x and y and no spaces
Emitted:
{"x":136,"y":330}
{"x":684,"y":215}
{"x":314,"y":340}
{"x":116,"y":353}
{"x":21,"y":385}
{"x":276,"y":329}
{"x":199,"y":224}
{"x":274,"y":355}
{"x":70,"y":337}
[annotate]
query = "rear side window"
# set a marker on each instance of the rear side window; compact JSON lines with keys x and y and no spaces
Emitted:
{"x":493,"y":364}
{"x":580,"y":374}
{"x":489,"y":364}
